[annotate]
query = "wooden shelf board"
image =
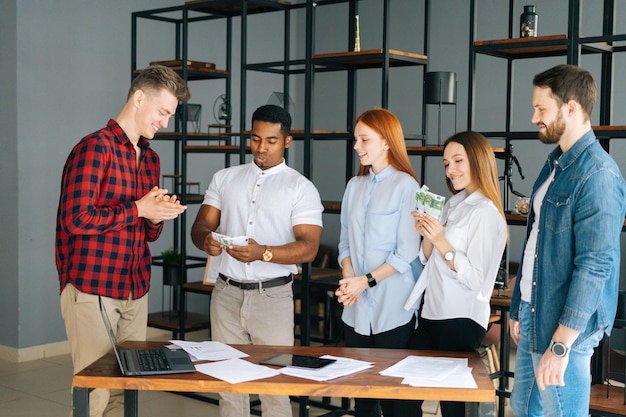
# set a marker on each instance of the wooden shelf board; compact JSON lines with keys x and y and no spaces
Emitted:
{"x":520,"y":220}
{"x":516,"y":219}
{"x":370,"y":58}
{"x":214,"y":148}
{"x":198,"y":287}
{"x":196,"y":74}
{"x":615,"y":132}
{"x":614,"y":404}
{"x":332,"y":206}
{"x":195,"y":135}
{"x":540,"y":46}
{"x":319,"y":132}
{"x":194,"y":198}
{"x":169,"y":320}
{"x":437,"y":150}
{"x":232,"y":8}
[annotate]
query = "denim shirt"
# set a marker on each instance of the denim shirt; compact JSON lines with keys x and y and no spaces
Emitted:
{"x":576,"y":271}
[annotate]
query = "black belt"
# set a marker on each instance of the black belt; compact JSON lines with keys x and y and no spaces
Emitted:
{"x":274,"y":282}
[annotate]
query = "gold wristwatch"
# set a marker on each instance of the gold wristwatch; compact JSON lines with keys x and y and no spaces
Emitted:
{"x":267,"y":255}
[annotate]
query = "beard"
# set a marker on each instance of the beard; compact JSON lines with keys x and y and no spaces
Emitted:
{"x":553,"y":132}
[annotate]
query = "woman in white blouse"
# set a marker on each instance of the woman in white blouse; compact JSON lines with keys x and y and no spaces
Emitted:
{"x":461,"y":253}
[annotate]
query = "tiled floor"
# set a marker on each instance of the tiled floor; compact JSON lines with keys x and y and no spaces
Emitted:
{"x":41,"y":388}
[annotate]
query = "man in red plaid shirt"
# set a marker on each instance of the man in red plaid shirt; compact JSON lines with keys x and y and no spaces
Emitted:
{"x":110,"y":208}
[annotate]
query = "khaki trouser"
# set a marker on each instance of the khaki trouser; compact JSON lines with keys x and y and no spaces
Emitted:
{"x":258,"y":318}
{"x":89,"y":340}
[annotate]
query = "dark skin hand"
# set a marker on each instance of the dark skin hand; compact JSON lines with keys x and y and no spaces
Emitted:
{"x":303,"y":249}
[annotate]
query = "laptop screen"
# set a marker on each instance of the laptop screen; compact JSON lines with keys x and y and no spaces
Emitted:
{"x":112,"y":338}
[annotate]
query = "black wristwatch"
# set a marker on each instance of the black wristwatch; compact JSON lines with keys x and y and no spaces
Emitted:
{"x":558,"y":349}
{"x":371,"y":281}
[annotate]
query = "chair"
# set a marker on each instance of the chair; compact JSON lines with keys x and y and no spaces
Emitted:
{"x":490,"y":342}
{"x":323,"y":304}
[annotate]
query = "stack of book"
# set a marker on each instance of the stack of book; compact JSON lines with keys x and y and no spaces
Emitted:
{"x":177,"y":64}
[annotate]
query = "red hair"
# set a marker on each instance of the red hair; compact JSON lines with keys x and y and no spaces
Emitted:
{"x":387,"y":125}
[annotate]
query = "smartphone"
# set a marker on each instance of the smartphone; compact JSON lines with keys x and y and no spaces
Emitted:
{"x":300,"y":361}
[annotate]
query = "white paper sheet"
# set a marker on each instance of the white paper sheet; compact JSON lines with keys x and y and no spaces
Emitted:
{"x":460,"y":378}
{"x":343,"y":366}
{"x":236,"y":370}
{"x":435,"y":368}
{"x":209,"y":350}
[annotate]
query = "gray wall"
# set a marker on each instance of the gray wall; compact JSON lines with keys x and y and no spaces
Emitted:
{"x":8,"y":174}
{"x":65,"y":72}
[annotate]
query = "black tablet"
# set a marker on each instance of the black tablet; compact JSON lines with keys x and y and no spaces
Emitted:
{"x":301,"y":361}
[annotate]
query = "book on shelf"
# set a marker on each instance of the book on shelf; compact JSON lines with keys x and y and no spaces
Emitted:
{"x":195,"y":65}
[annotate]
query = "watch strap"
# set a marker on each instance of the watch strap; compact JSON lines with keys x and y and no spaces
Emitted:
{"x":371,"y":281}
{"x":558,"y":349}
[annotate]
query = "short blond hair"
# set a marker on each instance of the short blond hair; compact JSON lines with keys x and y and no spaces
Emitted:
{"x":157,"y":77}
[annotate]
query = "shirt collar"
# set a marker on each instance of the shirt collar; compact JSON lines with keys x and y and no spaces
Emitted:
{"x":270,"y":171}
{"x":121,"y":137}
{"x":385,"y":173}
{"x":564,"y":160}
{"x":462,"y":197}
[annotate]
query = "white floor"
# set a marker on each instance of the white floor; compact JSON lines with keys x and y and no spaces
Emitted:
{"x":41,"y":388}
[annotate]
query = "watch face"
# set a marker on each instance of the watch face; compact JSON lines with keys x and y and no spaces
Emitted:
{"x":559,"y":349}
{"x":448,"y":256}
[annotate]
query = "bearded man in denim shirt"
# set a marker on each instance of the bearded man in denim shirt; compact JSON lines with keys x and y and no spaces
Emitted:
{"x":565,"y":296}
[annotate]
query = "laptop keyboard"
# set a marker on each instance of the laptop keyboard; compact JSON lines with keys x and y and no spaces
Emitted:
{"x":153,"y":360}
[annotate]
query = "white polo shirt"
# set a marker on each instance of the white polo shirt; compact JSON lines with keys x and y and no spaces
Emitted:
{"x":264,"y":205}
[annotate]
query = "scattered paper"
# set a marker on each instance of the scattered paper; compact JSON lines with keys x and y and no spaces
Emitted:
{"x":426,"y":371}
{"x":430,"y":367}
{"x":236,"y":370}
{"x":460,"y":378}
{"x":209,"y":350}
{"x":342,"y":367}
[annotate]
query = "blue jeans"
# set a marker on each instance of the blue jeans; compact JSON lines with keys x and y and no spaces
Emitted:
{"x":570,"y":400}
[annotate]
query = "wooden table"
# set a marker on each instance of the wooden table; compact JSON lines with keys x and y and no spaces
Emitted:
{"x":105,"y":373}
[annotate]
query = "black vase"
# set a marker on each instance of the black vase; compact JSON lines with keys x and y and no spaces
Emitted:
{"x":528,"y":23}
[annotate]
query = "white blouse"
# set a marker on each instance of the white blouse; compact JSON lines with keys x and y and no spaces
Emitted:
{"x":477,"y":232}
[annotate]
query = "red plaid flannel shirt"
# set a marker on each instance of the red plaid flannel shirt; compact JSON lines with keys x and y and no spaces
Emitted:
{"x":101,"y":242}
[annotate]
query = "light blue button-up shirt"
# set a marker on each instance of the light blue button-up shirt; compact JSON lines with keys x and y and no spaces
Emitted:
{"x":377,"y":227}
{"x":576,"y":270}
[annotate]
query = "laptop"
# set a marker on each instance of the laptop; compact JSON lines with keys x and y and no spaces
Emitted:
{"x":147,"y":361}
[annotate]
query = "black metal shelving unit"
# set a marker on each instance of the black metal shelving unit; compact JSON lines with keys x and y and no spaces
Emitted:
{"x":349,"y":60}
{"x":186,"y":143}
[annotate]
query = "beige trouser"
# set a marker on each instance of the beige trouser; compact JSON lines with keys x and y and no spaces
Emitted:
{"x":89,"y":340}
{"x":258,"y":318}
